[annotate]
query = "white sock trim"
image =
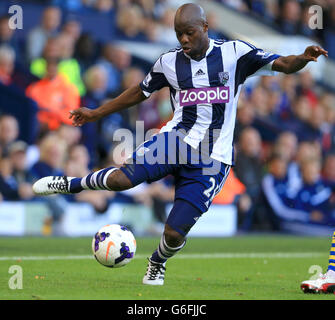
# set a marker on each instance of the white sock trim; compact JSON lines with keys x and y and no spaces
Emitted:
{"x":83,"y":183}
{"x":104,"y":181}
{"x":170,"y":248}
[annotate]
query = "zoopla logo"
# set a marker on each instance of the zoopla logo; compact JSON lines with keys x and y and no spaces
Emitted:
{"x":16,"y":19}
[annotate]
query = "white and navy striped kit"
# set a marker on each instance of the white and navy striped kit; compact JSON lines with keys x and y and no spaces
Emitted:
{"x":204,"y":93}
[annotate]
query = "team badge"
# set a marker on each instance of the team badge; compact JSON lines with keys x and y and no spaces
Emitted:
{"x":223,"y":77}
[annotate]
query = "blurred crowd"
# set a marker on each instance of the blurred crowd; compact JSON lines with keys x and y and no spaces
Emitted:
{"x":292,"y":17}
{"x":284,"y":136}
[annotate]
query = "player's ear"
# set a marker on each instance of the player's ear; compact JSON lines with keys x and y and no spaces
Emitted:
{"x":205,"y":26}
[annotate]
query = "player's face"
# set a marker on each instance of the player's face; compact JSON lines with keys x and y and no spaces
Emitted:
{"x":193,"y":38}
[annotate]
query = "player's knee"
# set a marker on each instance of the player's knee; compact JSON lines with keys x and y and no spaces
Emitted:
{"x":118,"y":181}
{"x":172,"y":237}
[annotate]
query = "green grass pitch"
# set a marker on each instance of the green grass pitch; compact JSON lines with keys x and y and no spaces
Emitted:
{"x":238,"y":268}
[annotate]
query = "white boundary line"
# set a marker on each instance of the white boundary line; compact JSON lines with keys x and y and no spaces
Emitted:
{"x":256,"y":255}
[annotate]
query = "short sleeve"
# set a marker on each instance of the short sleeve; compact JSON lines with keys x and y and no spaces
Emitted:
{"x":252,"y":61}
{"x":155,"y":79}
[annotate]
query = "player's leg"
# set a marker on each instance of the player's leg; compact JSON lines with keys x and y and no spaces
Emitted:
{"x":326,"y":282}
{"x":181,"y":219}
{"x":112,"y":179}
{"x":194,"y":194}
{"x":137,"y":170}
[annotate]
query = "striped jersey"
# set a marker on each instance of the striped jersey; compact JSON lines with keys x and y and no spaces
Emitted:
{"x":204,"y":94}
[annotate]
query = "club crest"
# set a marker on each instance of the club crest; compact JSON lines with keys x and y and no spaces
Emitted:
{"x":223,"y":77}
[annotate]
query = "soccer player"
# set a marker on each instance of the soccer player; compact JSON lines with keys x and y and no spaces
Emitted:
{"x":205,"y":77}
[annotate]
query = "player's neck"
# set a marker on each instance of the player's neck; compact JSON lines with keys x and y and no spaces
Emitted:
{"x":202,"y":52}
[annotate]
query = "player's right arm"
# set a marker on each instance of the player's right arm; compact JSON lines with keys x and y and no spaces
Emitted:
{"x":128,"y":98}
{"x":155,"y":80}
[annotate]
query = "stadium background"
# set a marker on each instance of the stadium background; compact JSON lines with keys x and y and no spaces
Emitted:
{"x":285,"y":124}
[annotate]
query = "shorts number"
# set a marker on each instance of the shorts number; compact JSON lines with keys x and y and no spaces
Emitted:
{"x":212,"y":190}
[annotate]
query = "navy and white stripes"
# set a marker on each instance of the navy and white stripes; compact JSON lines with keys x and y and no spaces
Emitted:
{"x":204,"y":93}
{"x":97,"y":180}
{"x":164,"y":251}
{"x":94,"y":181}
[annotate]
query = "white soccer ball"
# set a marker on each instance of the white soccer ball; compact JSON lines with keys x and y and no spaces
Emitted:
{"x":114,"y":246}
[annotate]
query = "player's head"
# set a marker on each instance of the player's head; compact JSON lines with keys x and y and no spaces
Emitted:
{"x":192,"y":30}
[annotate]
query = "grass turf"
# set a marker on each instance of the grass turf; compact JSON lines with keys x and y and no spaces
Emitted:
{"x":259,"y":267}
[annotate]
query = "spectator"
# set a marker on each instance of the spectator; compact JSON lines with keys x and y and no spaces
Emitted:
{"x":18,"y":156}
{"x":288,"y":84}
{"x":51,"y":50}
{"x":275,"y":185}
{"x":297,"y":120}
{"x":69,"y":66}
{"x":8,"y":184}
{"x":96,"y":83}
{"x":22,"y":176}
{"x":15,"y":181}
{"x":315,"y":123}
{"x":96,"y":80}
{"x":276,"y":200}
{"x":55,"y":96}
{"x":115,"y":60}
{"x":265,"y":121}
{"x":287,"y":146}
{"x":290,"y":17}
{"x":7,"y":35}
{"x":85,"y":51}
{"x":9,"y":132}
{"x":72,"y":135}
{"x":52,"y":156}
{"x":72,"y":28}
{"x":315,"y":194}
{"x":249,"y":171}
{"x":306,"y":87}
{"x":7,"y":62}
{"x":130,"y":24}
{"x":327,"y":101}
{"x":328,"y":170}
{"x":37,"y":37}
{"x":248,"y":161}
{"x":61,"y":48}
{"x":51,"y":162}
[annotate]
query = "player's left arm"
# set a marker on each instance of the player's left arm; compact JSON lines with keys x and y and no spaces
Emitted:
{"x":294,"y":63}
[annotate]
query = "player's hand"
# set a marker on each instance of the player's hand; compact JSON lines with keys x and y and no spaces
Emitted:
{"x":313,"y":52}
{"x":81,"y":116}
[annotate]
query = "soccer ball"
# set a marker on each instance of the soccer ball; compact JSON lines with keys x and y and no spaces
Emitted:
{"x":114,"y":246}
